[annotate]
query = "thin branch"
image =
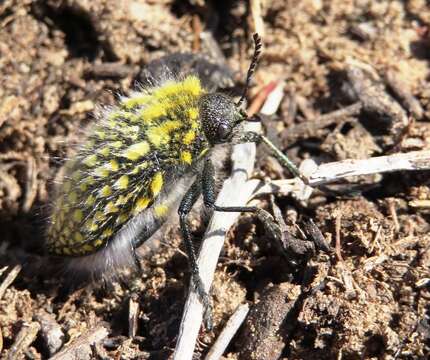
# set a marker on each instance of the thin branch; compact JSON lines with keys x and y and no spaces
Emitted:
{"x":415,"y":160}
{"x":230,"y":329}
{"x":331,"y":172}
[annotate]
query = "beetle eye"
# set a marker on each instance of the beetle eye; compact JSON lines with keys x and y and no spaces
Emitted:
{"x":224,"y":131}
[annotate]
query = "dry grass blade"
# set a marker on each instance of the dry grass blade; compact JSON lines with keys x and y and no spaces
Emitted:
{"x":334,"y":171}
{"x":228,"y":332}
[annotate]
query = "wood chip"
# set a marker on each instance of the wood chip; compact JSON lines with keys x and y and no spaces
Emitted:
{"x":261,"y":337}
{"x":52,"y":334}
{"x":404,"y":94}
{"x":23,"y":340}
{"x":10,"y":278}
{"x":369,"y":89}
{"x":133,"y":315}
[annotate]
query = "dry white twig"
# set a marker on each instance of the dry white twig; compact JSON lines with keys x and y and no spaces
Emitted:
{"x":415,"y":160}
{"x":230,"y":329}
{"x":330,"y":172}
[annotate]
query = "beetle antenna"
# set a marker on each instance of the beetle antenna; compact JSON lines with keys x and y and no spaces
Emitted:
{"x":254,"y":62}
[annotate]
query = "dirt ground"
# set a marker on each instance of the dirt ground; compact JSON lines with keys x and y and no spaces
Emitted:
{"x":366,"y":298}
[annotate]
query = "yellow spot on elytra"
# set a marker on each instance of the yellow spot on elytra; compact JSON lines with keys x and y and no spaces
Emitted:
{"x":156,"y":183}
{"x":98,"y":242}
{"x":121,"y":200}
{"x":106,"y":191}
{"x":136,"y":151}
{"x":160,"y":134}
{"x":114,"y":165}
{"x":89,"y":180}
{"x":73,"y":197}
{"x":99,"y":216}
{"x":108,"y":232}
{"x":87,"y":248}
{"x":100,"y":134}
{"x":78,"y":237}
{"x":91,"y":226}
{"x":66,"y":251}
{"x":110,"y":208}
{"x":78,"y":215}
{"x":101,"y":171}
{"x":83,"y":187}
{"x":104,"y":151}
{"x":160,"y":210}
{"x":121,"y":219}
{"x":189,"y":137}
{"x":139,"y":168}
{"x":116,"y":144}
{"x":66,"y":232}
{"x":193,"y":113}
{"x":91,"y":160}
{"x":76,"y":176}
{"x":121,"y":183}
{"x":186,"y":157}
{"x":141,"y":204}
{"x":90,"y":200}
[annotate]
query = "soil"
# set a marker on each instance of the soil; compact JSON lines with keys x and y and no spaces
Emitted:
{"x":366,"y":299}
